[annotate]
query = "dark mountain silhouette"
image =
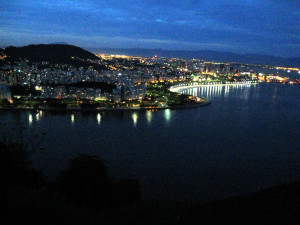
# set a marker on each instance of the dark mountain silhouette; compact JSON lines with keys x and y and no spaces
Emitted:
{"x":59,"y":43}
{"x":206,"y":55}
{"x":63,"y":53}
{"x":55,"y":53}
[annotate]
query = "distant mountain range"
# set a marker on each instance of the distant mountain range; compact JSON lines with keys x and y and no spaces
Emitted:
{"x":62,"y":53}
{"x":55,"y":53}
{"x":206,"y":55}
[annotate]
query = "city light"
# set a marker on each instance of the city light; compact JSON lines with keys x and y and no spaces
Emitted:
{"x":127,"y":82}
{"x":187,"y":112}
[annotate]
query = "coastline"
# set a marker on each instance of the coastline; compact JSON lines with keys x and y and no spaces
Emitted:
{"x":101,"y":109}
{"x":176,"y":88}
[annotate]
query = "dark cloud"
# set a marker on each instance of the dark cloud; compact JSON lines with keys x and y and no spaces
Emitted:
{"x":270,"y":26}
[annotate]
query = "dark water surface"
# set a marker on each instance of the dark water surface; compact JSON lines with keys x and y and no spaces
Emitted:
{"x":246,"y":140}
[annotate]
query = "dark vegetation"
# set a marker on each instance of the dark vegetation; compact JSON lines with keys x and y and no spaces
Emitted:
{"x":160,"y":92}
{"x":5,"y":103}
{"x":85,"y":194}
{"x":24,"y":90}
{"x":54,"y":103}
{"x":105,"y":87}
{"x":278,"y":205}
{"x":27,"y":90}
{"x":54,"y":53}
{"x":74,"y":197}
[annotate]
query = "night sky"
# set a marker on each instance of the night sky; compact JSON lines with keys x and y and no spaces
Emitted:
{"x":249,"y":26}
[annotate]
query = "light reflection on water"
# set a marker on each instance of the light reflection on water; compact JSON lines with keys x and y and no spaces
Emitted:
{"x":149,"y":116}
{"x":37,"y":117}
{"x":223,"y":145}
{"x":167,"y":115}
{"x":209,"y":92}
{"x":30,"y":120}
{"x":135,"y":118}
{"x":98,"y":118}
{"x":213,"y":91}
{"x":72,"y":119}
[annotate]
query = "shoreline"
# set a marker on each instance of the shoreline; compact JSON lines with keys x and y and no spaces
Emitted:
{"x":176,"y":88}
{"x":102,"y":109}
{"x":202,"y":104}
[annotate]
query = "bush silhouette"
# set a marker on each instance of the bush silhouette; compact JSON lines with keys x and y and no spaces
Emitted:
{"x":126,"y":191}
{"x":85,"y":183}
{"x":78,"y":192}
{"x":15,"y":170}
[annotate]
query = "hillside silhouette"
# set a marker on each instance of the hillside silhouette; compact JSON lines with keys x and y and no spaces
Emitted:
{"x":55,"y":53}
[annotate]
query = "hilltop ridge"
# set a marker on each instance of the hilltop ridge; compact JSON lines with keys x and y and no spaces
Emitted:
{"x":55,"y":53}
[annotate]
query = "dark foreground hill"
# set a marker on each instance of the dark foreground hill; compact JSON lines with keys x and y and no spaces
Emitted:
{"x":85,"y":194}
{"x":279,"y":205}
{"x":55,"y":53}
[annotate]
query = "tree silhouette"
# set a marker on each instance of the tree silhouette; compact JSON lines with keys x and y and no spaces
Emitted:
{"x":126,"y":191}
{"x":85,"y":182}
{"x":16,"y":171}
